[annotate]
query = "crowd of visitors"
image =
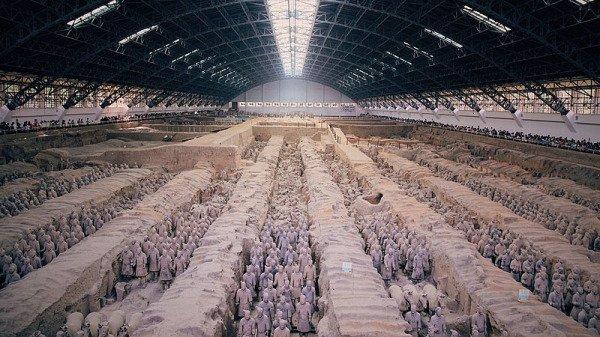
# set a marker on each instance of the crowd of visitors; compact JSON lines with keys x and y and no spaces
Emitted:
{"x":560,"y":142}
{"x":16,"y":126}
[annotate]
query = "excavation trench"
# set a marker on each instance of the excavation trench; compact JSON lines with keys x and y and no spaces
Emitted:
{"x":353,"y":295}
{"x":98,"y":193}
{"x":35,"y":190}
{"x":554,"y":186}
{"x":147,"y":267}
{"x":279,"y":283}
{"x":578,"y":224}
{"x":79,"y":278}
{"x":494,"y":239}
{"x":480,"y":286}
{"x":401,"y":257}
{"x":32,"y":252}
{"x":201,"y":300}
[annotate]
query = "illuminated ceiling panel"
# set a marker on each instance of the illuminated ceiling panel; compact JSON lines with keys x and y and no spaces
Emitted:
{"x":486,"y":20}
{"x":293,"y":22}
{"x":96,"y":13}
{"x":138,"y":35}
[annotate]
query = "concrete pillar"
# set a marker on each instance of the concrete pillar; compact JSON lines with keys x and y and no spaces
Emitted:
{"x":5,"y":114}
{"x":482,"y":115}
{"x":518,"y":116}
{"x":97,"y":113}
{"x":455,"y":113}
{"x":570,"y":120}
{"x":61,"y":113}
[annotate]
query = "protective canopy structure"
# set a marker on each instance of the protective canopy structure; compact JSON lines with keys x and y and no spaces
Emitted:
{"x":183,"y":50}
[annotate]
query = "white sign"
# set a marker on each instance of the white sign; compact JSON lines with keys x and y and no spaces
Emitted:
{"x":523,"y":295}
{"x":346,"y":267}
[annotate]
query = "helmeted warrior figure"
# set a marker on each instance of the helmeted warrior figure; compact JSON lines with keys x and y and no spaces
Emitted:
{"x":478,"y":324}
{"x":247,"y":325}
{"x":437,"y":324}
{"x":263,"y":323}
{"x":243,"y":299}
{"x":413,"y":318}
{"x":282,"y":329}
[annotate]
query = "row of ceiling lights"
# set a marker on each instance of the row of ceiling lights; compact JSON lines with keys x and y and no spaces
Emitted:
{"x":226,"y":75}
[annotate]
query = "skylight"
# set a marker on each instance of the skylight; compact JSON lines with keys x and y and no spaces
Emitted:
{"x":200,"y":63}
{"x":486,"y":20}
{"x":165,"y":48}
{"x":365,"y":73}
{"x":385,"y":65}
{"x":185,"y":56}
{"x":443,"y":38}
{"x":292,"y":22}
{"x":211,"y":69}
{"x":581,"y":2}
{"x":96,"y":13}
{"x":398,"y":58}
{"x":139,"y":34}
{"x":418,"y":50}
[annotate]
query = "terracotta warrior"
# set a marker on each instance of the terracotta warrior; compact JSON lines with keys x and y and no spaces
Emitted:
{"x":437,"y":324}
{"x":304,"y":311}
{"x":478,"y":324}
{"x":267,"y":306}
{"x":127,"y":262}
{"x":556,"y":299}
{"x":141,"y":271}
{"x":414,"y":320}
{"x":247,"y":325}
{"x":165,"y":276}
{"x":263,"y":323}
{"x":282,"y":329}
{"x":243,"y":298}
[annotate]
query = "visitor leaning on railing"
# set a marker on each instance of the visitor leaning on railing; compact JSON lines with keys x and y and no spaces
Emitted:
{"x":560,"y":142}
{"x":28,"y":126}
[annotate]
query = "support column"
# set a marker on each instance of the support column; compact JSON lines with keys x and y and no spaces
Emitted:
{"x":570,"y":119}
{"x":5,"y":114}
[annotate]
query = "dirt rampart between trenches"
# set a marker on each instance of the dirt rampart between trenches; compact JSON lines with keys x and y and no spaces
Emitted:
{"x":459,"y":269}
{"x":581,"y":167}
{"x":78,"y":278}
{"x":357,"y":303}
{"x":200,"y":302}
{"x":96,"y":193}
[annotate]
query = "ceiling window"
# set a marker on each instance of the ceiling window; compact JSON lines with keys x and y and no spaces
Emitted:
{"x":443,"y":38}
{"x":486,"y":20}
{"x":96,"y":13}
{"x":581,"y":2}
{"x":165,"y":48}
{"x":185,"y":57}
{"x":292,"y":22}
{"x":418,"y":51}
{"x":138,"y":35}
{"x":398,"y":58}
